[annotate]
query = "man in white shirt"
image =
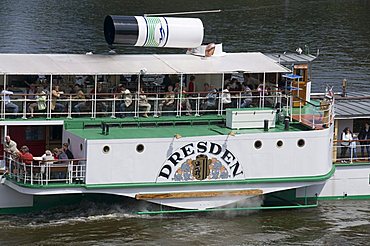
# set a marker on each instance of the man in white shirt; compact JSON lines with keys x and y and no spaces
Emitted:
{"x":9,"y":106}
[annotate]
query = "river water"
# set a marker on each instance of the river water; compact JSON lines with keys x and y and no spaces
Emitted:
{"x":339,"y":29}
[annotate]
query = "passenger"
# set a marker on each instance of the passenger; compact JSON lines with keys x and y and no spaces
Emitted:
{"x":143,"y":102}
{"x":346,"y":140}
{"x":250,"y":81}
{"x":235,"y":85}
{"x":191,"y":85}
{"x":177,"y":87}
{"x":226,"y":96}
{"x":126,"y":100}
{"x":10,"y":146}
{"x":55,"y":95}
{"x":40,"y":101}
{"x":167,"y":82}
{"x":56,"y":153}
{"x":9,"y":106}
{"x":80,"y":97}
{"x":67,"y":151}
{"x":100,"y":98}
{"x":56,"y":172}
{"x":364,"y":136}
{"x":168,"y":100}
{"x":185,"y":104}
{"x":63,"y":156}
{"x":48,"y":157}
{"x":246,"y":97}
{"x":31,"y":91}
{"x":352,"y":147}
{"x":47,"y":160}
{"x":210,"y":100}
{"x":25,"y":156}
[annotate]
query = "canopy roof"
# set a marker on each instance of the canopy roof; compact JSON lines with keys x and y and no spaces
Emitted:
{"x":292,"y":58}
{"x":73,"y":64}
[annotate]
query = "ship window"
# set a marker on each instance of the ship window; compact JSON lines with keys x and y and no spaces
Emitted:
{"x":301,"y":143}
{"x":106,"y":149}
{"x":139,"y":148}
{"x":81,"y":147}
{"x":69,"y":142}
{"x":258,"y":144}
{"x":279,"y":144}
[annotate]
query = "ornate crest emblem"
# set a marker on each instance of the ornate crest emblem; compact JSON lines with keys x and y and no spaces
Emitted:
{"x":200,"y":161}
{"x":201,"y":168}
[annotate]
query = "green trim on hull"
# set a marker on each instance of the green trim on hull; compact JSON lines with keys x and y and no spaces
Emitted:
{"x":356,"y":197}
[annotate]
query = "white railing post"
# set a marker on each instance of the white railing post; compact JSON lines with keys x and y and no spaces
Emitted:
{"x":25,"y":108}
{"x":70,"y":107}
{"x":197,"y":106}
{"x":113,"y":107}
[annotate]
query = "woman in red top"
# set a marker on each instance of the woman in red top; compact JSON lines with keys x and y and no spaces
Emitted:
{"x":25,"y":156}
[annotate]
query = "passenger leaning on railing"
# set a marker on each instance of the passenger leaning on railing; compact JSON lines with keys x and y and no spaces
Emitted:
{"x":11,"y":152}
{"x":346,"y":140}
{"x":10,"y":146}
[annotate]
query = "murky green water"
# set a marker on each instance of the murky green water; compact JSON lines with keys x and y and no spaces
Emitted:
{"x":340,"y":29}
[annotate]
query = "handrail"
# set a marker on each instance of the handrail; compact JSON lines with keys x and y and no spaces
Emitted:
{"x":68,"y":171}
{"x":109,"y":103}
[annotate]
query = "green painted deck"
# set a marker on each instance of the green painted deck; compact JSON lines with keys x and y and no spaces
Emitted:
{"x":163,"y":127}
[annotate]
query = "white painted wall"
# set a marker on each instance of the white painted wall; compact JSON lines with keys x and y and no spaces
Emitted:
{"x":123,"y":164}
{"x":75,"y":145}
{"x":347,"y":181}
{"x":12,"y":199}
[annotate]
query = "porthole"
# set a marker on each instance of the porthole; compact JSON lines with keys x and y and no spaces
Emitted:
{"x":69,"y":142}
{"x":279,"y":143}
{"x":301,"y":143}
{"x":258,"y":144}
{"x":140,"y":148}
{"x":81,"y":147}
{"x":106,"y":149}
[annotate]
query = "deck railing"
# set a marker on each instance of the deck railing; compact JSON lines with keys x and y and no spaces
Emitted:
{"x":45,"y":172}
{"x":313,"y":115}
{"x":350,"y":152}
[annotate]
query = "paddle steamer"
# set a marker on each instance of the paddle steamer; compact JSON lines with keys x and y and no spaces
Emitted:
{"x":208,"y":150}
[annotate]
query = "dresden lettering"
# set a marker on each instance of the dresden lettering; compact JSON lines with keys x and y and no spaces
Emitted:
{"x":183,"y":158}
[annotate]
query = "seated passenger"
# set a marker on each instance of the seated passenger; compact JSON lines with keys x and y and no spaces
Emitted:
{"x":55,"y":95}
{"x":47,"y":159}
{"x":226,"y":96}
{"x":25,"y":156}
{"x":185,"y":104}
{"x":126,"y":100}
{"x":246,"y":97}
{"x":9,"y":106}
{"x":210,"y":100}
{"x":143,"y":102}
{"x":168,"y":101}
{"x":81,"y":99}
{"x":40,"y":102}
